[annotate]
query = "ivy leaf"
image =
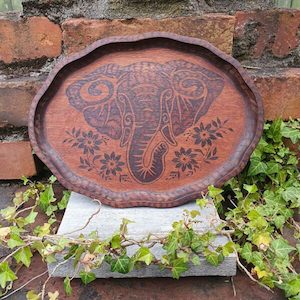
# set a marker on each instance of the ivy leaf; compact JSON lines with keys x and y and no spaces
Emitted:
{"x":144,"y":255}
{"x":257,"y":167}
{"x":202,"y":202}
{"x":228,"y":248}
{"x":30,"y":219}
{"x":292,"y":133}
{"x":121,"y":264}
{"x":6,"y":274}
{"x":24,"y":255}
{"x":281,"y":247}
{"x":31,"y":295}
{"x":15,"y":241}
{"x":274,"y":131}
{"x":251,"y":189}
{"x":62,"y":204}
{"x":246,"y":252}
{"x":67,"y":286}
{"x":46,"y":197}
{"x":292,"y":287}
{"x":292,"y":194}
{"x":262,"y":240}
{"x":87,"y":277}
{"x":196,"y":260}
{"x":214,"y":258}
{"x":116,"y":241}
{"x":279,"y":221}
{"x":178,"y":267}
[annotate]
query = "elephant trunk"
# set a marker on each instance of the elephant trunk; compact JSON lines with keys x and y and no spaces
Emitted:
{"x":136,"y":156}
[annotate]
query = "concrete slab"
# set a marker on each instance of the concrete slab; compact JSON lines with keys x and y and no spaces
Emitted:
{"x":146,"y":220}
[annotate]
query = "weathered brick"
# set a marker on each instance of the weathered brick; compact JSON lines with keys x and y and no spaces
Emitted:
{"x":16,"y":160}
{"x":15,"y":99}
{"x":273,"y":32}
{"x":215,"y":28}
{"x":30,"y":38}
{"x":280,"y":90}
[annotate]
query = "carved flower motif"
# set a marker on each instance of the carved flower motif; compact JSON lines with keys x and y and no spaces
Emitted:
{"x":89,"y":142}
{"x":204,"y":135}
{"x":111,"y":164}
{"x":185,"y":159}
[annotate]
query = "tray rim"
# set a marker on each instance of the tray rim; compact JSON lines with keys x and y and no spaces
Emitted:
{"x":133,"y":198}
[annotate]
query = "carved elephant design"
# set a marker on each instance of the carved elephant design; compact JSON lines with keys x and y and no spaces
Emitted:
{"x":136,"y":102}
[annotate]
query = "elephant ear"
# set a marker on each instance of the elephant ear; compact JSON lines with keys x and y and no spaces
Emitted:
{"x":95,"y":97}
{"x":195,"y":89}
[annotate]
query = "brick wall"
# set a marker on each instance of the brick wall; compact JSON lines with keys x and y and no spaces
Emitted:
{"x":265,"y":40}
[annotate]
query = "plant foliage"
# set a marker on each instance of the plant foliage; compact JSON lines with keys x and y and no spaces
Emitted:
{"x":259,"y":205}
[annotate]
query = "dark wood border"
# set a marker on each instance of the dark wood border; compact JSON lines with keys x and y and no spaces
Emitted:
{"x":145,"y":198}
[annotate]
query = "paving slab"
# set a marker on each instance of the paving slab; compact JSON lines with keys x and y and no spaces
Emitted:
{"x":147,"y":220}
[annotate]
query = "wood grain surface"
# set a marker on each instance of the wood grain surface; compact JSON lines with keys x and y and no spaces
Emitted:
{"x":148,"y":120}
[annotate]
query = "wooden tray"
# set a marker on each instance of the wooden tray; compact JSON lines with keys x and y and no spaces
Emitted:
{"x":147,"y":120}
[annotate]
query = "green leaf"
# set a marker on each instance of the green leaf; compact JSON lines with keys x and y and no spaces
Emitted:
{"x":292,"y":194}
{"x":8,"y":212}
{"x":24,"y":255}
{"x":25,"y":180}
{"x":179,"y":266}
{"x":51,"y":209}
{"x":275,"y":130}
{"x":292,"y":133}
{"x":213,"y":191}
{"x":31,"y":295}
{"x":281,"y":247}
{"x":279,"y":221}
{"x":121,"y":264}
{"x":196,"y":260}
{"x":52,"y":179}
{"x":251,"y":189}
{"x":30,"y":219}
{"x":15,"y":241}
{"x":116,"y":241}
{"x":273,"y":168}
{"x":246,"y":252}
{"x":202,"y":202}
{"x":144,"y":255}
{"x":6,"y":274}
{"x":257,"y":167}
{"x":62,"y":204}
{"x":46,"y":197}
{"x":214,"y":258}
{"x":292,"y":287}
{"x":194,"y":213}
{"x":67,"y":286}
{"x":87,"y":277}
{"x":228,"y":248}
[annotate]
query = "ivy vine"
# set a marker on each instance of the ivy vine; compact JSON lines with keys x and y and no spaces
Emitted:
{"x":257,"y":206}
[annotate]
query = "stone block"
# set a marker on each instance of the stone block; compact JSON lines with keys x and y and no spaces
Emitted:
{"x":146,"y":220}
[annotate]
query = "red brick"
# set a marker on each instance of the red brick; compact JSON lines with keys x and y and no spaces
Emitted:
{"x":280,"y":90}
{"x":16,"y":160}
{"x":215,"y":28}
{"x":270,"y":31}
{"x":30,"y":38}
{"x":15,"y":99}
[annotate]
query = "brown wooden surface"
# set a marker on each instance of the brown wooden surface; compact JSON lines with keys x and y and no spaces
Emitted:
{"x":148,"y":120}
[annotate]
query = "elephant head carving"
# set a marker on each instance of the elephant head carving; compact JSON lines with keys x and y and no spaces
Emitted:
{"x":134,"y":103}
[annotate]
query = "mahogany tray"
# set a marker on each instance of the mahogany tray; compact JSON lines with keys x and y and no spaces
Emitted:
{"x":146,"y":120}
